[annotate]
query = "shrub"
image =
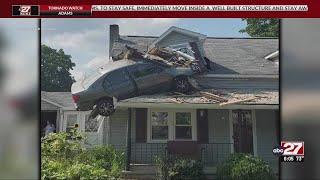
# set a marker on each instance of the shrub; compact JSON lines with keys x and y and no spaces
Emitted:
{"x":106,"y":157}
{"x":178,"y":168}
{"x":244,"y":167}
{"x":64,"y":157}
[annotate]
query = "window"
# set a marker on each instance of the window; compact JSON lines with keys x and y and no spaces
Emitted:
{"x":183,"y":128}
{"x":159,"y":125}
{"x":144,"y":70}
{"x":91,"y":79}
{"x":91,"y":125}
{"x":71,"y":121}
{"x":117,"y":77}
{"x":165,"y":124}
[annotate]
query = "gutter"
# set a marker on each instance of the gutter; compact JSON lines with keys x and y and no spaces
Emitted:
{"x":195,"y":106}
{"x":240,"y":76}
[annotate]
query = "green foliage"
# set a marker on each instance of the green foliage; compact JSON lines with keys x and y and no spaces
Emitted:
{"x":55,"y":67}
{"x":261,"y":27}
{"x":178,"y":168}
{"x":244,"y":167}
{"x":64,"y":157}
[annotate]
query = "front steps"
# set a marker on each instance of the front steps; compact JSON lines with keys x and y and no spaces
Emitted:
{"x":149,"y":172}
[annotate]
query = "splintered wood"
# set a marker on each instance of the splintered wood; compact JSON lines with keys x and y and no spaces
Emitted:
{"x":239,"y":101}
{"x":212,"y":96}
{"x":177,"y":100}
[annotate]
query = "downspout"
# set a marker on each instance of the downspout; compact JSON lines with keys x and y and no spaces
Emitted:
{"x":61,"y":120}
{"x":128,"y":150}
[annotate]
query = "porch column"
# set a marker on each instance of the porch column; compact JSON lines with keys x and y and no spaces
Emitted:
{"x":128,"y":157}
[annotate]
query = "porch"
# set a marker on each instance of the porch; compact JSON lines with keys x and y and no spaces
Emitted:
{"x":211,"y":154}
{"x":143,"y":155}
{"x":215,"y":131}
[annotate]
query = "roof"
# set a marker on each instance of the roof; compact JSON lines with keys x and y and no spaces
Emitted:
{"x":263,"y":97}
{"x":64,"y":99}
{"x":179,"y":30}
{"x":272,"y":56}
{"x":228,"y":55}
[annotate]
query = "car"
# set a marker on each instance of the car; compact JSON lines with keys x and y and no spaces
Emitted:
{"x":124,"y":79}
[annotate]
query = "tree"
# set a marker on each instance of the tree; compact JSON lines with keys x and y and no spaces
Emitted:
{"x":55,"y":67}
{"x":261,"y":27}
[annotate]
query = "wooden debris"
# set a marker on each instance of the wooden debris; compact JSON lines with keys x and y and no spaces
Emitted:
{"x":176,"y":100}
{"x":238,"y":101}
{"x":213,"y":96}
{"x":179,"y":93}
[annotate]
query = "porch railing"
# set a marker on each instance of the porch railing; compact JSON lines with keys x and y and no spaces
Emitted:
{"x":145,"y":153}
{"x":214,"y":153}
{"x":211,"y":153}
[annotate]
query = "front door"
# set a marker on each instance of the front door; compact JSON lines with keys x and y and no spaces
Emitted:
{"x":242,"y":131}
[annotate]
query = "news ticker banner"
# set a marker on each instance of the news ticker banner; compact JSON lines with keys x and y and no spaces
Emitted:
{"x":88,"y":10}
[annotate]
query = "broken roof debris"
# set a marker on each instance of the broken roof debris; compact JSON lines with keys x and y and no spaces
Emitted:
{"x":186,"y":56}
{"x":228,"y":97}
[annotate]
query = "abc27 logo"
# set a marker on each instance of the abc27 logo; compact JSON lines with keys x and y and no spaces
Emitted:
{"x":290,"y":151}
{"x":25,"y":10}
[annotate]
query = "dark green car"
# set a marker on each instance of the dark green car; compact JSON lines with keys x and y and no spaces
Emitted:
{"x":124,"y":79}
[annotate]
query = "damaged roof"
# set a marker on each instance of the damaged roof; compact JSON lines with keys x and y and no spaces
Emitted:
{"x":258,"y":96}
{"x":228,"y":55}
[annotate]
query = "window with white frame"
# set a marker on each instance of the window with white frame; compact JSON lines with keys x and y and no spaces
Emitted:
{"x":91,"y":125}
{"x":183,"y":125}
{"x":72,"y":120}
{"x":172,"y":125}
{"x":159,"y":125}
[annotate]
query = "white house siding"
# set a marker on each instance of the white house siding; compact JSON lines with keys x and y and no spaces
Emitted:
{"x":267,"y":136}
{"x":118,"y":129}
{"x":45,"y":106}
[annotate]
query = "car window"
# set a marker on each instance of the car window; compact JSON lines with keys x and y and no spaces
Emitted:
{"x":144,"y":70}
{"x":117,"y":77}
{"x":91,"y":79}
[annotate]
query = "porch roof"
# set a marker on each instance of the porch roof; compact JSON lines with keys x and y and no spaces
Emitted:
{"x":233,"y":96}
{"x":60,"y":99}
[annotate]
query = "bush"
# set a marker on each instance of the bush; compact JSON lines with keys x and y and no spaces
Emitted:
{"x":178,"y":168}
{"x":244,"y":167}
{"x":64,"y":157}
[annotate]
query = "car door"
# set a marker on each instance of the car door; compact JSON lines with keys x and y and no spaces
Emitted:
{"x":148,"y":77}
{"x":117,"y":83}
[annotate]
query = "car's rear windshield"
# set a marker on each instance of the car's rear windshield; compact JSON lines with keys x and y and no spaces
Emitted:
{"x":91,"y":78}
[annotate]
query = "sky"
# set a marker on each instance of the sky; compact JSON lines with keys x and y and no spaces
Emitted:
{"x":87,"y":40}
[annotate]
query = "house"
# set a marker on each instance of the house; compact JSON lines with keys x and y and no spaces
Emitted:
{"x":148,"y":126}
{"x":58,"y":109}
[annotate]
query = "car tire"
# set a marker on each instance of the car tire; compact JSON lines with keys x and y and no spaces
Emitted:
{"x":105,"y":107}
{"x":181,"y":84}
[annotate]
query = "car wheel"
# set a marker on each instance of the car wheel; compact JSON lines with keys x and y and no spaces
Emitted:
{"x":182,"y":84}
{"x":105,"y":107}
